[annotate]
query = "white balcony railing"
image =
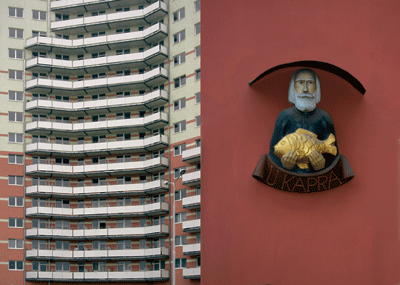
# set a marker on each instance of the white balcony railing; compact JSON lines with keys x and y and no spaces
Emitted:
{"x":191,"y":248}
{"x":191,"y":153}
{"x":192,"y":225}
{"x":100,"y":276}
{"x":92,"y":62}
{"x":191,"y":272}
{"x":97,"y":147}
{"x":146,"y":165}
{"x":191,"y":201}
{"x":109,"y":232}
{"x":84,"y":254}
{"x":191,"y":178}
{"x":98,"y":211}
{"x":114,"y":17}
{"x":98,"y":190}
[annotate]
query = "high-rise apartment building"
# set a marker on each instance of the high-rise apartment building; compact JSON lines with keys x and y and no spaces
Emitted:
{"x":100,"y":141}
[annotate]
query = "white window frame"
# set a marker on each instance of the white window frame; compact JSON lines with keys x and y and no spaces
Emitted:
{"x":198,"y":121}
{"x":179,"y":262}
{"x":177,"y":171}
{"x":15,"y":201}
{"x":197,"y":28}
{"x":16,"y":263}
{"x":180,"y":194}
{"x":15,"y":138}
{"x":179,"y":104}
{"x":15,"y":117}
{"x":197,"y":74}
{"x":179,"y":59}
{"x":15,"y":95}
{"x":180,"y":217}
{"x":198,"y":97}
{"x":197,"y":51}
{"x":180,"y":81}
{"x":15,"y":12}
{"x":179,"y":127}
{"x":179,"y":37}
{"x":178,"y":149}
{"x":15,"y":159}
{"x":197,"y":6}
{"x":15,"y":223}
{"x":15,"y":53}
{"x":18,"y":243}
{"x":15,"y":33}
{"x":178,"y":15}
{"x":15,"y":74}
{"x":39,"y":15}
{"x":180,"y":240}
{"x":16,"y":179}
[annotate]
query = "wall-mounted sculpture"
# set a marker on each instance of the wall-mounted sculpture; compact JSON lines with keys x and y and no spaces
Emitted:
{"x":303,"y":153}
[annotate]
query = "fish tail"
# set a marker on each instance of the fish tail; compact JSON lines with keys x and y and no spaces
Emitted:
{"x":329,"y":147}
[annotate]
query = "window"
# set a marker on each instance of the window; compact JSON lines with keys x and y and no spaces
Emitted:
{"x":142,"y":265}
{"x":15,"y":12}
{"x":197,"y":28}
{"x":15,"y":222}
{"x":124,"y":266}
{"x":180,"y":263}
{"x":158,"y":221}
{"x":39,"y":54}
{"x":197,"y":74}
{"x":180,"y":240}
{"x":58,"y":36}
{"x":99,"y":245}
{"x":15,"y":74}
{"x":98,"y":54}
{"x":62,"y":203}
{"x":124,"y":201}
{"x":122,"y":51}
{"x":180,"y":127}
{"x":39,"y":15}
{"x":15,"y":180}
{"x":39,"y":265}
{"x":15,"y":138}
{"x":179,"y":148}
{"x":197,"y":51}
{"x":15,"y":159}
{"x":98,"y":34}
{"x":62,"y":17}
{"x":62,"y":266}
{"x":15,"y":53}
{"x":124,"y":223}
{"x":180,"y":81}
{"x":15,"y":243}
{"x":15,"y":201}
{"x":198,"y":166}
{"x":178,"y":37}
{"x":15,"y":265}
{"x":120,"y":31}
{"x":198,"y":121}
{"x":38,"y":33}
{"x":15,"y":96}
{"x":198,"y":190}
{"x":180,"y":194}
{"x":41,"y":202}
{"x":180,"y":14}
{"x":15,"y":116}
{"x":62,"y":224}
{"x":198,"y":214}
{"x":159,"y":265}
{"x":177,"y":171}
{"x":39,"y":223}
{"x":62,"y":56}
{"x":197,"y":5}
{"x":125,"y":9}
{"x":179,"y":59}
{"x":98,"y":13}
{"x":16,"y":33}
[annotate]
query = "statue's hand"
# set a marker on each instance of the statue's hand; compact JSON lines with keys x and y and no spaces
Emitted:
{"x":289,"y":160}
{"x":317,"y":160}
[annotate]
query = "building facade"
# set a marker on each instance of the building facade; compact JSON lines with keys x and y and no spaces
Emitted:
{"x":101,"y":141}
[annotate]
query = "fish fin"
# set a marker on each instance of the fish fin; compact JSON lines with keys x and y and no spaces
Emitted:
{"x":303,"y":131}
{"x":329,"y":147}
{"x":303,"y":165}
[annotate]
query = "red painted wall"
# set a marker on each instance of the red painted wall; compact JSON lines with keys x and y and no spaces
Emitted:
{"x":254,"y":234}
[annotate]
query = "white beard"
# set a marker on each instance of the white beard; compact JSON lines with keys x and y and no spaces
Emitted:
{"x":305,"y":104}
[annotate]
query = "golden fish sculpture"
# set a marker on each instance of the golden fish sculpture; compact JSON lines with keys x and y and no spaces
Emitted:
{"x":303,"y":142}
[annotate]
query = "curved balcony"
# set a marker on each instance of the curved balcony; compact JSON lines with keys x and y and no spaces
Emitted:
{"x":104,"y":212}
{"x":96,"y":65}
{"x":82,"y":6}
{"x":150,"y":165}
{"x":97,"y":276}
{"x":101,"y":85}
{"x":192,"y":178}
{"x":153,"y":34}
{"x":191,"y":202}
{"x":153,"y":121}
{"x":191,"y":249}
{"x":153,"y":187}
{"x":191,"y":273}
{"x":116,"y":104}
{"x":191,"y":226}
{"x":111,"y":233}
{"x":144,"y":16}
{"x":191,"y":155}
{"x":102,"y":148}
{"x":110,"y":254}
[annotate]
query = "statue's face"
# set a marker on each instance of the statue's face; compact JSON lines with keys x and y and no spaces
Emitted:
{"x":305,"y":83}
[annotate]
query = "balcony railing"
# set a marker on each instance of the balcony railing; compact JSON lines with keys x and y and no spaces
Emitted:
{"x":81,"y":6}
{"x":191,"y":273}
{"x":97,"y":254}
{"x":149,"y":14}
{"x":116,"y":211}
{"x":97,"y":276}
{"x":191,"y":226}
{"x":192,"y":178}
{"x":152,"y":34}
{"x":95,"y":65}
{"x":150,"y":165}
{"x":191,"y":155}
{"x":151,"y":121}
{"x":113,"y":84}
{"x":191,"y":202}
{"x":191,"y":249}
{"x":150,"y":144}
{"x":148,"y":231}
{"x":98,"y":190}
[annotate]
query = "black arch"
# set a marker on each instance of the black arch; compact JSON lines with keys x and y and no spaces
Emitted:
{"x":320,"y":65}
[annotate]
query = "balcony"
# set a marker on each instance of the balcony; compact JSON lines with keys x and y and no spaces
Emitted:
{"x":191,"y":226}
{"x":191,"y":179}
{"x":191,"y":202}
{"x":191,"y":273}
{"x":101,"y":85}
{"x":153,"y":121}
{"x":191,"y":155}
{"x":97,"y":276}
{"x":110,"y":233}
{"x":97,"y":65}
{"x":151,"y":35}
{"x":82,"y":6}
{"x":150,"y":165}
{"x":126,"y":254}
{"x":116,"y":20}
{"x":153,"y":187}
{"x":102,"y":148}
{"x":96,"y":212}
{"x":191,"y":249}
